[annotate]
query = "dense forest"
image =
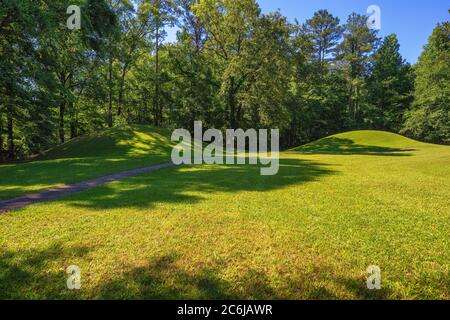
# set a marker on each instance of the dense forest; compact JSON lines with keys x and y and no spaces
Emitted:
{"x":230,"y":67}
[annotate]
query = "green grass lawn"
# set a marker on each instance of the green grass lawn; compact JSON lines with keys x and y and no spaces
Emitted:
{"x":83,"y":158}
{"x":337,"y":206}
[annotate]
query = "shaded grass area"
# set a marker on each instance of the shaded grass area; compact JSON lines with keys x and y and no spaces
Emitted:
{"x":84,"y":158}
{"x":22,"y":271}
{"x":160,"y":278}
{"x":226,"y":232}
{"x":146,"y":191}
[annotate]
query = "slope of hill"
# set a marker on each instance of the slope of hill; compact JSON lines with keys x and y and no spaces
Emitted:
{"x":130,"y":142}
{"x":114,"y":150}
{"x":362,"y":142}
{"x":87,"y":157}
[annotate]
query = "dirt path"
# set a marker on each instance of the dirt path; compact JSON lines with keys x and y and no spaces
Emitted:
{"x":55,"y":193}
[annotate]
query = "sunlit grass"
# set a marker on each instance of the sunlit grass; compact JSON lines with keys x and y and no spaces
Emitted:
{"x":107,"y":152}
{"x":309,"y":232}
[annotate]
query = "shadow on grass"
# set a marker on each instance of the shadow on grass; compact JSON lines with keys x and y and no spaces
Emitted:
{"x":338,"y":146}
{"x":119,"y":150}
{"x":40,"y":175}
{"x":163,"y":279}
{"x":27,"y":275}
{"x":84,"y":158}
{"x":358,"y":287}
{"x":184,"y":185}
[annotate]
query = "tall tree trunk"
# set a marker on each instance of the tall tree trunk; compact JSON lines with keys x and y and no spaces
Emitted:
{"x":62,"y":107}
{"x":351,"y":106}
{"x":110,"y":115}
{"x":73,"y":121}
{"x":1,"y":138}
{"x":356,"y":106}
{"x":11,"y":154}
{"x":156,"y":102}
{"x":62,"y":110}
{"x":121,"y":85}
{"x":232,"y":104}
{"x":73,"y":130}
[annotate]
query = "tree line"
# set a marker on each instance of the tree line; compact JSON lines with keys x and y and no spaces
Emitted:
{"x":231,"y":66}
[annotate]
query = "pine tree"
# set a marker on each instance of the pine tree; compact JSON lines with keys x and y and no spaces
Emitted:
{"x":354,"y":51}
{"x":324,"y":32}
{"x":430,"y":117}
{"x":390,"y":86}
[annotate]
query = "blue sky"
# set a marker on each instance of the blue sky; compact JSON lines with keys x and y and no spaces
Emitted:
{"x":412,"y":20}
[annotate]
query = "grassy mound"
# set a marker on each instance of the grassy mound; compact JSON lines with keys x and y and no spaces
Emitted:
{"x":361,"y":142}
{"x":132,"y":141}
{"x":106,"y":152}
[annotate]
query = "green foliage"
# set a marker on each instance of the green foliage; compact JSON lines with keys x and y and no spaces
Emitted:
{"x":44,"y":63}
{"x":324,"y":31}
{"x":231,"y":66}
{"x":430,"y":117}
{"x":354,"y":53}
{"x":318,"y":95}
{"x":390,"y":86}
